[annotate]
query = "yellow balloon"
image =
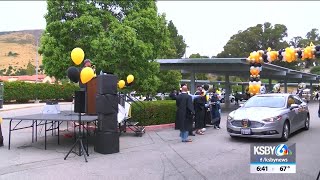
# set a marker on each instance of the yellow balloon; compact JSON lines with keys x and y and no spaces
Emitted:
{"x":77,"y":55}
{"x":121,"y":84}
{"x":0,"y":120}
{"x":130,"y":78}
{"x":86,"y":74}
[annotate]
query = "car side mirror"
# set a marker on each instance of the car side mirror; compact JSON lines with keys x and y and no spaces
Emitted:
{"x":294,"y":106}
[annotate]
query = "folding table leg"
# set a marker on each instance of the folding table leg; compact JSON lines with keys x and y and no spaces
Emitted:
{"x":9,"y":145}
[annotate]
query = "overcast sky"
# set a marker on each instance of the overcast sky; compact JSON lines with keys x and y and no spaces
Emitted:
{"x":206,"y":25}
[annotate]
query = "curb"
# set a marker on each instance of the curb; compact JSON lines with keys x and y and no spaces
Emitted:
{"x":159,"y":127}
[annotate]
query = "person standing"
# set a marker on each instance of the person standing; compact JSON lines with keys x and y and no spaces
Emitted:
{"x":1,"y":137}
{"x":215,"y":111}
{"x":200,"y":110}
{"x":185,"y":112}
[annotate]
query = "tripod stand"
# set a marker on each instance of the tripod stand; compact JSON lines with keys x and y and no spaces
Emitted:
{"x":80,"y":142}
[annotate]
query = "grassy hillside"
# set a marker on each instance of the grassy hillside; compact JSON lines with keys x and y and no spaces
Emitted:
{"x":17,"y":49}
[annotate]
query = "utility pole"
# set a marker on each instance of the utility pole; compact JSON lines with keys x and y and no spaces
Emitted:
{"x":37,"y":66}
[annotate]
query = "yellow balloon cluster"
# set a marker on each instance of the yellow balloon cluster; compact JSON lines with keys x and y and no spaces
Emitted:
{"x":254,"y":87}
{"x":87,"y":73}
{"x":307,"y":53}
{"x":122,"y":83}
{"x":290,"y":55}
{"x":255,"y":57}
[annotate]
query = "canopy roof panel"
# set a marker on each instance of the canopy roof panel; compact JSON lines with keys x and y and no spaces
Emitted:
{"x":233,"y":67}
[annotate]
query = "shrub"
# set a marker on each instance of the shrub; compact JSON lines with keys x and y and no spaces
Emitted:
{"x":155,"y":112}
{"x":23,"y":92}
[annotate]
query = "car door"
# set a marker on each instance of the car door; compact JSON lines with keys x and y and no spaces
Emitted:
{"x":303,"y":113}
{"x":293,"y":114}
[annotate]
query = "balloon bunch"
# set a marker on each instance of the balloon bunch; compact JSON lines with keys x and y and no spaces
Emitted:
{"x":256,"y":60}
{"x":74,"y":74}
{"x":289,"y":55}
{"x":122,"y":83}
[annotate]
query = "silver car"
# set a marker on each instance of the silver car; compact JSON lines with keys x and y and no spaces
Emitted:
{"x":269,"y":116}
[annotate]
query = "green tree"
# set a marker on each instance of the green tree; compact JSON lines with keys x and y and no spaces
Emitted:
{"x":178,"y":41}
{"x":120,"y":37}
{"x":31,"y":69}
{"x":21,"y":72}
{"x":315,"y":70}
{"x":255,"y":38}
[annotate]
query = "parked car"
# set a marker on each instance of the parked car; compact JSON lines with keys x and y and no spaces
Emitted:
{"x":269,"y":116}
{"x":242,"y":96}
{"x":306,"y":95}
{"x":231,"y":98}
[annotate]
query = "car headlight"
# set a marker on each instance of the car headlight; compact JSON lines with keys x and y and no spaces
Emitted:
{"x":229,"y":118}
{"x":273,"y":119}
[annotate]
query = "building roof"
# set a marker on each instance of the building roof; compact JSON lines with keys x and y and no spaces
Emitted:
{"x":23,"y":78}
{"x":233,"y":67}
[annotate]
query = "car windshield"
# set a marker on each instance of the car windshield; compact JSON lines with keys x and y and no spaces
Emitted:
{"x":265,"y":101}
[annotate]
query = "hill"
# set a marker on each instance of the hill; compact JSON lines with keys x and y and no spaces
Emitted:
{"x":17,"y":49}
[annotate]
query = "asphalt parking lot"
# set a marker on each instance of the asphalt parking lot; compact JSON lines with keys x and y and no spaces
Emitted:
{"x":155,"y":155}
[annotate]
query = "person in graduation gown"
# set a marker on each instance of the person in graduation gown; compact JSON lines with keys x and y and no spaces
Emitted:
{"x":185,"y":112}
{"x":1,"y":137}
{"x":200,"y":110}
{"x":215,"y":111}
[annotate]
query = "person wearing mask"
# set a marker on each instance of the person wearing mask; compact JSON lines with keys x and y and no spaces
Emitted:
{"x":215,"y":111}
{"x":185,"y":112}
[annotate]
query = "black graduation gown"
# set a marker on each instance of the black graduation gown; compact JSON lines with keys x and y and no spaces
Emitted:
{"x":184,"y":112}
{"x":200,"y":110}
{"x":1,"y":137}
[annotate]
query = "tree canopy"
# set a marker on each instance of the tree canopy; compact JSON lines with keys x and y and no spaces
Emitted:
{"x":120,"y":37}
{"x":255,"y":38}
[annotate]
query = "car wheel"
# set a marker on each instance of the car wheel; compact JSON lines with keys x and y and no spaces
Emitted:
{"x":285,"y":132}
{"x":307,"y":123}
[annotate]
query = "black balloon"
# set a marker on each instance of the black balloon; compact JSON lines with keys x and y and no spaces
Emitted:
{"x":73,"y":74}
{"x":317,"y":54}
{"x":265,"y":57}
{"x":280,"y":57}
{"x":318,"y":48}
{"x":299,"y":54}
{"x":206,"y":87}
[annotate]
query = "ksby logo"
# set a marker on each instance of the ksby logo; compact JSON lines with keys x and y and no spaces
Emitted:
{"x":280,"y":150}
{"x":283,"y":150}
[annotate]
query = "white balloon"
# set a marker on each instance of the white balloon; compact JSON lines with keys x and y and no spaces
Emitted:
{"x":250,"y":83}
{"x":254,"y":83}
{"x":268,"y":53}
{"x":252,"y":67}
{"x":259,"y":82}
{"x":283,"y":54}
{"x":269,"y":59}
{"x":260,"y":68}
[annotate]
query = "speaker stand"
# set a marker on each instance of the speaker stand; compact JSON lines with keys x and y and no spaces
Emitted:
{"x":80,"y":142}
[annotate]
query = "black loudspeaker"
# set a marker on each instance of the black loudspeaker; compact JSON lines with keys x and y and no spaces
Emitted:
{"x":107,"y":104}
{"x":80,"y":102}
{"x":107,"y":84}
{"x":108,"y":123}
{"x":107,"y":142}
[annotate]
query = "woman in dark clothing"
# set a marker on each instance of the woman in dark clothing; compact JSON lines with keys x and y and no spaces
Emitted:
{"x":215,"y":111}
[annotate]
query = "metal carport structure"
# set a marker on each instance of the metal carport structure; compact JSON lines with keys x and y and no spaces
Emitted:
{"x":234,"y":67}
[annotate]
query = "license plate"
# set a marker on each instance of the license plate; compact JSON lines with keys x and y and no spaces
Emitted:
{"x":245,"y":131}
